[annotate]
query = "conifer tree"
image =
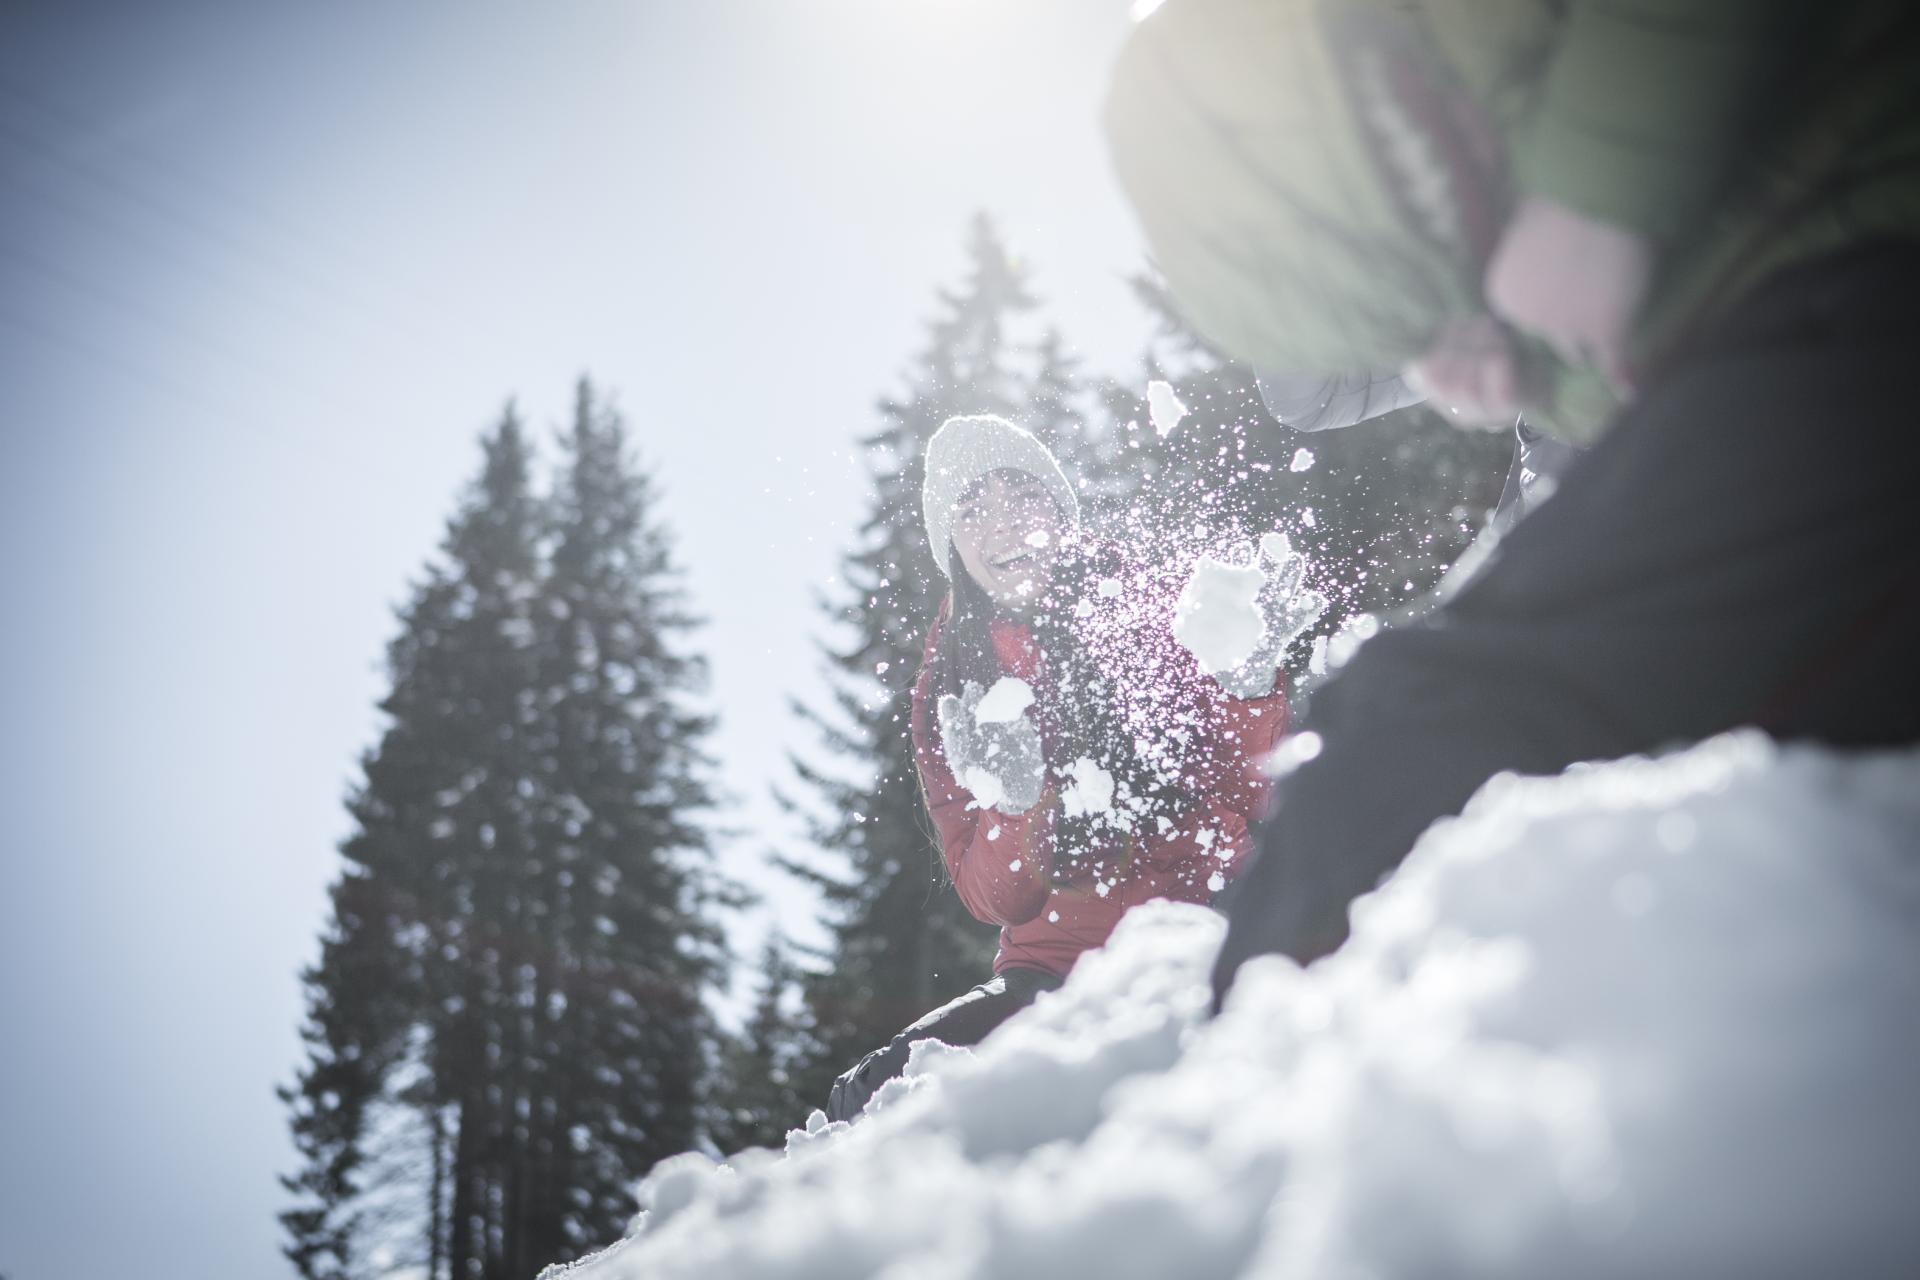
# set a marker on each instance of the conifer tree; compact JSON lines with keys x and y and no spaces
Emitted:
{"x":404,"y":1003}
{"x":621,"y":1035}
{"x":757,"y":1087}
{"x":507,"y":1023}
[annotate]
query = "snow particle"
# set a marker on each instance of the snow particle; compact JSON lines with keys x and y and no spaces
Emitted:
{"x":1164,"y":407}
{"x":1302,"y":460}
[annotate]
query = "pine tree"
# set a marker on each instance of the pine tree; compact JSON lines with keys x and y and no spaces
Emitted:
{"x":757,"y":1086}
{"x":507,"y":1023}
{"x":403,"y":1002}
{"x":621,"y":1035}
{"x":901,"y":943}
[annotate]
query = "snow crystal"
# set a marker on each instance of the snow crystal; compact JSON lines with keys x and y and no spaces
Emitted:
{"x":993,"y":833}
{"x":1109,"y":588}
{"x":1275,"y":546}
{"x":1084,"y":609}
{"x":1038,"y":538}
{"x":1306,"y":517}
{"x":1502,"y":1074}
{"x":1164,"y":407}
{"x":1015,"y":865}
{"x":1053,"y":917}
{"x":1216,"y":617}
{"x":1089,"y":790}
{"x":1005,"y":702}
{"x":1302,"y":460}
{"x":1216,"y":882}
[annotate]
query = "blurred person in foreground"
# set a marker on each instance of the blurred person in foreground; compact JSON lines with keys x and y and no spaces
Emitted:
{"x":1683,"y":235}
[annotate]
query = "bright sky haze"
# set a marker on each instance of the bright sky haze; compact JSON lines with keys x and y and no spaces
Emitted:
{"x":266,"y":272}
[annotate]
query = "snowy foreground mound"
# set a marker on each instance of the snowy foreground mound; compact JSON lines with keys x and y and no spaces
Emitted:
{"x":1655,"y":1018}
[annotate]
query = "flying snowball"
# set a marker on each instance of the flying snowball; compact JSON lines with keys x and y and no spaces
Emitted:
{"x":1216,"y":617}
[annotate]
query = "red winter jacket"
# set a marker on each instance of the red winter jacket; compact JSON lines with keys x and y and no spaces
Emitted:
{"x":1000,"y":862}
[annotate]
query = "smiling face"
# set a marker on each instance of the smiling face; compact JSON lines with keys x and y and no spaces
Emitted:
{"x":1007,"y":531}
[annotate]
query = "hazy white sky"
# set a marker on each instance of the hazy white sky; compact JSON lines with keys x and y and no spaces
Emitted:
{"x":265,"y":272}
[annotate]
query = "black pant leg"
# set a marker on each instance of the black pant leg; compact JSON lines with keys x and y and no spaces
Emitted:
{"x":1739,"y":549}
{"x":965,"y":1020}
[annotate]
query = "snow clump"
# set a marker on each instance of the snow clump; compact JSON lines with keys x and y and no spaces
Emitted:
{"x":1216,"y":616}
{"x":1089,"y":790}
{"x":1654,"y":1017}
{"x":1006,"y":702}
{"x":984,"y":784}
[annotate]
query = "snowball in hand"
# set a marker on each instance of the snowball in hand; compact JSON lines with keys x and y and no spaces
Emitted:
{"x":1004,"y":703}
{"x":1216,"y":617}
{"x":987,"y":789}
{"x":1164,"y":407}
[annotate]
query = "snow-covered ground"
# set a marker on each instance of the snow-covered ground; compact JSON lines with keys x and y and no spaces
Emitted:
{"x":1650,"y":1018}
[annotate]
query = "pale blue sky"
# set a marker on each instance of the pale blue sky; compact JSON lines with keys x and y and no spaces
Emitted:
{"x":265,"y":272}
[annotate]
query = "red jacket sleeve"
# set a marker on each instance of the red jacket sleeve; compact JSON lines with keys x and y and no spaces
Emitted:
{"x":999,"y":862}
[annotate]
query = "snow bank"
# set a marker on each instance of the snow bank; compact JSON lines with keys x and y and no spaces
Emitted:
{"x":1649,"y":1018}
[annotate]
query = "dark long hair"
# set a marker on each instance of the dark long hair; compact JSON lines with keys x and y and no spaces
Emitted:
{"x":1114,"y":687}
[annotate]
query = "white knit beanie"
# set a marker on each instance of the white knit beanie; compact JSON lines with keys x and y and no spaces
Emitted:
{"x":963,"y":450}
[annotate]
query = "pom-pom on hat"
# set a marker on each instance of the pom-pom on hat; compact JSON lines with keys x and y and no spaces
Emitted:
{"x":966,"y":448}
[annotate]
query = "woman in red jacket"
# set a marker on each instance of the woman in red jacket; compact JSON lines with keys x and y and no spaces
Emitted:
{"x":1075,"y":759}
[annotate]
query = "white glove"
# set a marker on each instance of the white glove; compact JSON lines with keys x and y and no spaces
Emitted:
{"x":1000,"y":762}
{"x":1286,"y":610}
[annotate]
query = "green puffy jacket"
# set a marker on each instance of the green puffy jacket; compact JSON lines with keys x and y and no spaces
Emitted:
{"x":1322,"y":182}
